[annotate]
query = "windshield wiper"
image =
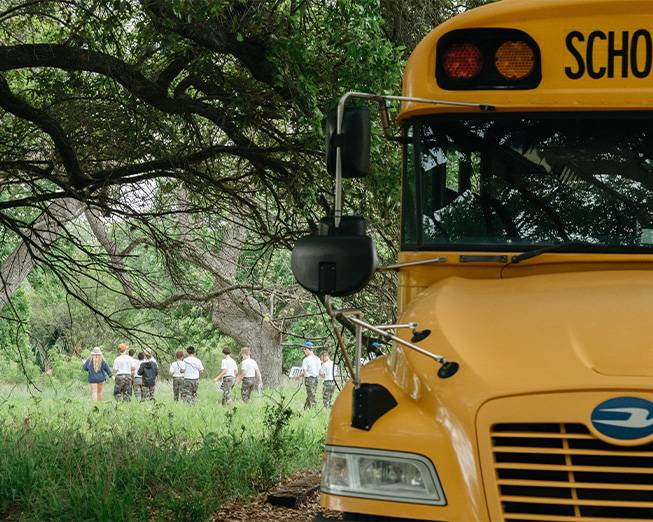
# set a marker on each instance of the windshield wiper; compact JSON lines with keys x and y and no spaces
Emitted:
{"x":552,"y":248}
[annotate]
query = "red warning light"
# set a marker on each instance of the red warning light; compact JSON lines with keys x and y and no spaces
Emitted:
{"x":462,"y":61}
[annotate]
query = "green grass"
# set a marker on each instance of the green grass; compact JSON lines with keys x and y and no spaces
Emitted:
{"x":63,"y":457}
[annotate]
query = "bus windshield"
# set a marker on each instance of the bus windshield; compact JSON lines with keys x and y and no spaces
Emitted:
{"x":516,"y":182}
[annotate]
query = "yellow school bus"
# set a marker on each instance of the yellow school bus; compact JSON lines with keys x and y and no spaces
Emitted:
{"x":527,"y":252}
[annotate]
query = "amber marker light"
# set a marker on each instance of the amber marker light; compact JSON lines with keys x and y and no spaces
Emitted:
{"x":515,"y":60}
{"x":462,"y":61}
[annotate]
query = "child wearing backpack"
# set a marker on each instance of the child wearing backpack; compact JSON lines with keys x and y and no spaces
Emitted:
{"x":148,"y":370}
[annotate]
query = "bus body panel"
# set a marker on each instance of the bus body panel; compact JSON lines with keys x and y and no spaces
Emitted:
{"x":545,"y":341}
{"x":413,"y":426}
{"x":550,"y":23}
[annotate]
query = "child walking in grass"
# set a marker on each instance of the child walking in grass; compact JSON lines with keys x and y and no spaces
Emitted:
{"x":98,"y":371}
{"x":250,"y":375}
{"x":177,"y":372}
{"x":310,"y":370}
{"x":328,"y":373}
{"x":138,"y":379}
{"x":123,"y":370}
{"x":192,"y":370}
{"x":228,"y":371}
{"x":148,"y":370}
{"x":131,"y":354}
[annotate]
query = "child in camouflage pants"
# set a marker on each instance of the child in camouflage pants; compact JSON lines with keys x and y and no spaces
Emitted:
{"x":138,"y":379}
{"x":328,"y":373}
{"x":250,"y":374}
{"x":123,"y":371}
{"x":177,"y":373}
{"x":148,"y":370}
{"x":228,"y":372}
{"x":310,"y":371}
{"x":193,"y":367}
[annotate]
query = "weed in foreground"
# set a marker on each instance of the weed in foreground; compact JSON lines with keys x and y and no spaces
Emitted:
{"x":73,"y":460}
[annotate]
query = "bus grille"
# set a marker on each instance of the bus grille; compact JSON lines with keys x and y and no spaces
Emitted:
{"x":561,"y":472}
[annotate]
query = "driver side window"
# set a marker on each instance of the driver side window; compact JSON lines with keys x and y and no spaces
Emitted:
{"x":451,"y":183}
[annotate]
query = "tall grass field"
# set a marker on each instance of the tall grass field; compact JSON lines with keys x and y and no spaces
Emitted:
{"x":63,"y":457}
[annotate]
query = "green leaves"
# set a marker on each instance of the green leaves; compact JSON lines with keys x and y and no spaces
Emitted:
{"x":236,"y":89}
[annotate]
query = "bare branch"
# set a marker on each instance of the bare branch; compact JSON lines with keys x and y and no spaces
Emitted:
{"x":18,"y":107}
{"x":41,"y":235}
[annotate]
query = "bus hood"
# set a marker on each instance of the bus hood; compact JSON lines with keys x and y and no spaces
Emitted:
{"x":538,"y":330}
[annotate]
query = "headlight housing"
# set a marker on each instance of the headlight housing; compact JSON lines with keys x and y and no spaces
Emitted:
{"x":381,"y":475}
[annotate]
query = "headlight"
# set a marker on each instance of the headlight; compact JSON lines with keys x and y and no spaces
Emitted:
{"x":382,"y":475}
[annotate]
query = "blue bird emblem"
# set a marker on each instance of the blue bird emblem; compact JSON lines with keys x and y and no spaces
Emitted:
{"x":624,"y":418}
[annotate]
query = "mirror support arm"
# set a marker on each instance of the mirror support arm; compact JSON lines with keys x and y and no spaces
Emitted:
{"x":341,"y":342}
{"x":411,"y":326}
{"x":447,"y":369}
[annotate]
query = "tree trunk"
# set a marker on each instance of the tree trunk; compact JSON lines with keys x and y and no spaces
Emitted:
{"x":40,"y":237}
{"x":249,"y":329}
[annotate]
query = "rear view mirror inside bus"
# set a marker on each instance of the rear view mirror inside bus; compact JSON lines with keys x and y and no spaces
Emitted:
{"x":354,"y":142}
{"x":338,"y":262}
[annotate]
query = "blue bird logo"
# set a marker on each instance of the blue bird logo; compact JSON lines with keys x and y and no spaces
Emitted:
{"x":624,"y":418}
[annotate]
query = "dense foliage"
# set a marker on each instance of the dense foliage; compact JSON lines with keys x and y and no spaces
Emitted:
{"x":138,"y":109}
{"x":157,"y":160}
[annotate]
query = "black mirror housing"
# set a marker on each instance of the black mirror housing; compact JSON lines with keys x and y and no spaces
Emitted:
{"x":338,"y":262}
{"x":370,"y":403}
{"x":354,"y":142}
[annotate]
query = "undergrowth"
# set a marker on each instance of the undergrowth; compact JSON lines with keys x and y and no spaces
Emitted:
{"x":69,"y":459}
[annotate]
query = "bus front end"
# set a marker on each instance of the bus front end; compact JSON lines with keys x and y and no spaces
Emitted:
{"x":540,"y":214}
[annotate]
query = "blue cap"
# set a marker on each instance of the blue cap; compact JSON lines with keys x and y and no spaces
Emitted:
{"x":375,"y":344}
{"x":308,"y":344}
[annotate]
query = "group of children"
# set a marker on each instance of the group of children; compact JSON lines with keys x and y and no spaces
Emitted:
{"x":249,"y":375}
{"x":138,"y":375}
{"x":134,"y":375}
{"x":314,"y":367}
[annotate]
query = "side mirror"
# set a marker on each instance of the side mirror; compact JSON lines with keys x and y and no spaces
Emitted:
{"x":338,"y":262}
{"x":354,"y":142}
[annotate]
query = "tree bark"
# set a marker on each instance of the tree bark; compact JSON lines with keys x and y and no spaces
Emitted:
{"x":39,"y":238}
{"x":255,"y":332}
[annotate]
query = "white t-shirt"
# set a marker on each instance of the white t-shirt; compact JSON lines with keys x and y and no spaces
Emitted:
{"x":136,"y":364}
{"x":193,"y":366}
{"x":230,"y":366}
{"x":329,"y":371}
{"x":123,"y":365}
{"x":249,"y":367}
{"x":177,"y":369}
{"x":311,"y":366}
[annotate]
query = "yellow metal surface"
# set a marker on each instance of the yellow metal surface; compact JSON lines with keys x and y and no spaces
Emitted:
{"x":541,"y":328}
{"x":413,"y":426}
{"x":549,"y":23}
{"x":543,"y":341}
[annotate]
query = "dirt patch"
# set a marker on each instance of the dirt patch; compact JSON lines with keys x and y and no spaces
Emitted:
{"x":258,"y":510}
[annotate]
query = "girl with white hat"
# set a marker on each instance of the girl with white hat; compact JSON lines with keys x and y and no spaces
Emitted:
{"x":96,"y":367}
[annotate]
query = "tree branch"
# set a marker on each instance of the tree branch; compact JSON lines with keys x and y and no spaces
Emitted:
{"x":130,"y":77}
{"x":41,"y":235}
{"x":252,"y":53}
{"x":18,"y":107}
